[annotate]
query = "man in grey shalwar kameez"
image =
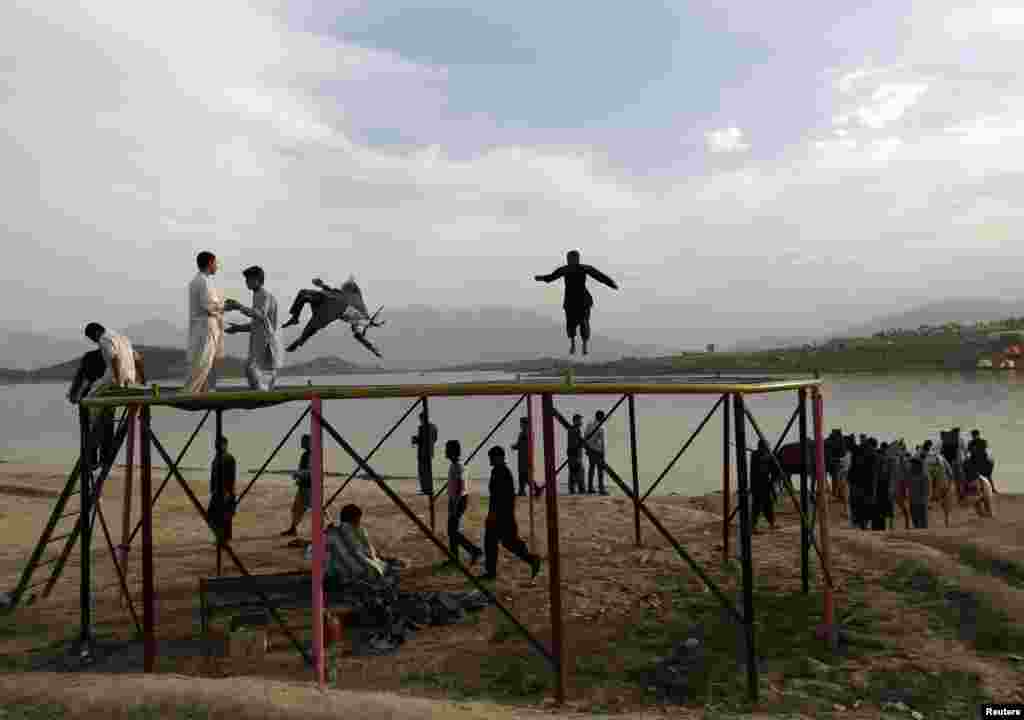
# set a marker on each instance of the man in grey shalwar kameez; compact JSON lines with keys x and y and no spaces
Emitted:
{"x":265,"y":353}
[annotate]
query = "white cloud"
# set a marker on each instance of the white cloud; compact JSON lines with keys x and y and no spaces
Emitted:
{"x":726,"y":140}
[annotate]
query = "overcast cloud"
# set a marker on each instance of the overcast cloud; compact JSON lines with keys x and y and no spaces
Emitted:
{"x":812,"y":164}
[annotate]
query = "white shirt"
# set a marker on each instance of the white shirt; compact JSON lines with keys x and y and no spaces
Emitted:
{"x":120,"y":358}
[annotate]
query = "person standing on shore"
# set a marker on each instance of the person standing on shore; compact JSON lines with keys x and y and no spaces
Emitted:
{"x":458,"y":502}
{"x":500,"y":526}
{"x":424,"y":440}
{"x":594,"y":440}
{"x":763,"y":471}
{"x":303,"y":489}
{"x":574,"y":454}
{"x":206,"y":308}
{"x":522,"y":448}
{"x":920,"y":493}
{"x":265,"y":354}
{"x":223,"y":474}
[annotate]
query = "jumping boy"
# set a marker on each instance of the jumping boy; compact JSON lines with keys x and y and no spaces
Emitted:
{"x":577,"y":301}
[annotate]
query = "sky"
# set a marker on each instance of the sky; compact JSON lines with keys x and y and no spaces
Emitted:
{"x":791,"y":166}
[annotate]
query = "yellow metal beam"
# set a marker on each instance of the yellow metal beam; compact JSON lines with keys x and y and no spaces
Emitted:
{"x":169,"y":397}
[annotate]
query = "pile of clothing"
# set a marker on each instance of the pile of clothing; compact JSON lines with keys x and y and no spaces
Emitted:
{"x":385,"y":617}
{"x":674,"y":677}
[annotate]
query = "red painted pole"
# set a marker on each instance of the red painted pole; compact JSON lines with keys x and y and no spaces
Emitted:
{"x":126,"y":509}
{"x":530,"y":459}
{"x":148,"y":591}
{"x":726,"y":490}
{"x":316,"y":442}
{"x":554,"y":569}
{"x":823,"y":503}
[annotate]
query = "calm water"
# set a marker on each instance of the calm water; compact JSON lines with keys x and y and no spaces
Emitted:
{"x":38,"y":426}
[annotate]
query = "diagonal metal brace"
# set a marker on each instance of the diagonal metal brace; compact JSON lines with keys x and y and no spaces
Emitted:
{"x":227,"y":546}
{"x":792,"y":494}
{"x":270,"y":459}
{"x":593,"y":432}
{"x":483,"y":442}
{"x":685,"y":447}
{"x":382,"y":484}
{"x":167,"y":477}
{"x":377,"y":447}
{"x":716,"y":591}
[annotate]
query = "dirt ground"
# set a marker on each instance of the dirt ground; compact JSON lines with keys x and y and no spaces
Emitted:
{"x":606,"y":581}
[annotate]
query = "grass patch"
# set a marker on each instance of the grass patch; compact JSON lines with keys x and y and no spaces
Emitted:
{"x":448,"y":683}
{"x":949,"y":694}
{"x":155,"y":712}
{"x":950,"y":610}
{"x":505,"y":630}
{"x":32,"y":712}
{"x":1011,"y":572}
{"x":518,"y":677}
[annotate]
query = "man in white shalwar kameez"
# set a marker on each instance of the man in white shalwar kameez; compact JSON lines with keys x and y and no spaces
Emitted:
{"x":205,"y":327}
{"x":265,"y":353}
{"x":119,"y":355}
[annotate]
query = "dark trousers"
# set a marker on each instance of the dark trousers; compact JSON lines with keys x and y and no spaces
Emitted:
{"x":314,"y":298}
{"x":524,"y":478}
{"x":577,"y":317}
{"x":505,"y":532}
{"x":919,"y":515}
{"x":425,"y":472}
{"x":595,"y":459}
{"x":575,"y":476}
{"x":763,"y":503}
{"x":456,"y":509}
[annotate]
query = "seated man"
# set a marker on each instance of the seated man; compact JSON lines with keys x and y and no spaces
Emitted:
{"x":328,"y":304}
{"x":350,"y":554}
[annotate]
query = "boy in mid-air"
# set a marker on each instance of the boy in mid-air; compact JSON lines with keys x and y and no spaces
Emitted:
{"x":329,"y":304}
{"x":578,"y":301}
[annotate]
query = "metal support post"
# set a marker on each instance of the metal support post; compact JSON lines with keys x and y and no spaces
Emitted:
{"x":427,"y":452}
{"x":218,"y":459}
{"x":317,"y":467}
{"x":823,"y":509}
{"x":530,"y":457}
{"x":805,"y":530}
{"x":636,"y":470}
{"x":745,"y":548}
{"x":726,"y":489}
{"x":554,"y":567}
{"x":85,"y":638}
{"x":146,"y":491}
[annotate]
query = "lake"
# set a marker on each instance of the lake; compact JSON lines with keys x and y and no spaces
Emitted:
{"x":39,"y":426}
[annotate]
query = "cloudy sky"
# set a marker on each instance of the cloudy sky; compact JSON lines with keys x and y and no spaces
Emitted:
{"x":787,"y":164}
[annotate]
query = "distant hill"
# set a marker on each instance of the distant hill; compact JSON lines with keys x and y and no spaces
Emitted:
{"x":28,"y":350}
{"x":162,"y":363}
{"x":422,"y":337}
{"x":960,"y":310}
{"x":326,"y":366}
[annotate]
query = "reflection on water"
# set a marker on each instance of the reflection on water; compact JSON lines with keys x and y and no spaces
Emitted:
{"x":38,"y":425}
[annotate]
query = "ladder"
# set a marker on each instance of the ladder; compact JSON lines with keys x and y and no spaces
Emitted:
{"x":53,"y":535}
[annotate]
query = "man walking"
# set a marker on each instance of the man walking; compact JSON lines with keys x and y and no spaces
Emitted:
{"x":265,"y":355}
{"x":500,"y":526}
{"x":425,"y":439}
{"x":206,"y":308}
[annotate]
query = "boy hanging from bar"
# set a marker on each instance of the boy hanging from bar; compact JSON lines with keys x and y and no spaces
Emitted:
{"x":577,"y":300}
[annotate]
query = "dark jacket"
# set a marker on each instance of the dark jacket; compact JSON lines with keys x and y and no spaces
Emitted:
{"x":502,"y":489}
{"x":577,"y":297}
